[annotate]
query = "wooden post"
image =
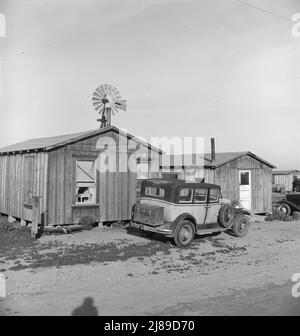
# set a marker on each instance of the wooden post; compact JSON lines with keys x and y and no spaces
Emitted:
{"x":35,"y":215}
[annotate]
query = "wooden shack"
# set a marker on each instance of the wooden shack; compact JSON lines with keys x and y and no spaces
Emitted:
{"x":92,"y":173}
{"x":243,"y":176}
{"x":285,"y":178}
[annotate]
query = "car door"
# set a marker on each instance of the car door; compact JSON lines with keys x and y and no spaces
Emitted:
{"x":200,"y":204}
{"x":213,"y":206}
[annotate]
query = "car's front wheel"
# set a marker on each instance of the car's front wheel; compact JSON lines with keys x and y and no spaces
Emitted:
{"x":241,"y":225}
{"x":184,"y":233}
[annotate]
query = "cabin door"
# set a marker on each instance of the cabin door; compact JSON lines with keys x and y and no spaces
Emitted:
{"x":245,"y":188}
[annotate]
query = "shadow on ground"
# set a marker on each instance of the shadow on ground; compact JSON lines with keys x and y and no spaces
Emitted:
{"x":87,"y":308}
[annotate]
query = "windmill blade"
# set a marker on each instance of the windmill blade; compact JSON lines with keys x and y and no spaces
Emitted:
{"x":96,"y":99}
{"x":117,"y":98}
{"x":115,"y":93}
{"x":96,"y":94}
{"x":114,"y":110}
{"x":121,"y":104}
{"x":97,"y":102}
{"x":102,"y":91}
{"x":110,"y":90}
{"x":105,"y":88}
{"x":96,"y":105}
{"x":99,"y":108}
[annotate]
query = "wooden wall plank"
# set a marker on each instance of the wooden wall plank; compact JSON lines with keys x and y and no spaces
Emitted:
{"x":51,"y":187}
{"x":69,"y":187}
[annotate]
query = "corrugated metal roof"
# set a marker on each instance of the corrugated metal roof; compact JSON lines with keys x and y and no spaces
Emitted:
{"x":199,"y":160}
{"x":61,"y":140}
{"x":41,"y":143}
{"x":285,"y":172}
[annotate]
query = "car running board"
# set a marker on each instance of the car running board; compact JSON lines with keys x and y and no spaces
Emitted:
{"x":212,"y":230}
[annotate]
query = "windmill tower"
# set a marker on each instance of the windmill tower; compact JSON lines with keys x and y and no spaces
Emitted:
{"x":107,"y":100}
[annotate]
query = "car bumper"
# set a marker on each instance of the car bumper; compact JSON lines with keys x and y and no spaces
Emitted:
{"x":164,"y":230}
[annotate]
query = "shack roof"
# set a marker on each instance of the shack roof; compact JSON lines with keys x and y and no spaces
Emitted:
{"x":193,"y":160}
{"x":286,"y":172}
{"x":54,"y":142}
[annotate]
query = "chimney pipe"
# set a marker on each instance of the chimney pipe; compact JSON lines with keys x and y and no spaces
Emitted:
{"x":213,"y":150}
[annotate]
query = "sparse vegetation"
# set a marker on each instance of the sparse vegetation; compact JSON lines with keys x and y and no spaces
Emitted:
{"x":13,"y":235}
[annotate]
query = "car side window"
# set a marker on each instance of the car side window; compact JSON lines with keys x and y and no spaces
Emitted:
{"x":214,"y":195}
{"x":155,"y":192}
{"x":200,"y":195}
{"x":186,"y":195}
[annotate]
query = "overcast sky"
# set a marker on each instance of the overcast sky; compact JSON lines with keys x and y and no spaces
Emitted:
{"x":209,"y":68}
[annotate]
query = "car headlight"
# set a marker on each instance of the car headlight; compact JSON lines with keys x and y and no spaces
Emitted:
{"x":237,"y":205}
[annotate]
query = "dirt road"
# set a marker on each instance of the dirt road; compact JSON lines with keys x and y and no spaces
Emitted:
{"x":125,"y":273}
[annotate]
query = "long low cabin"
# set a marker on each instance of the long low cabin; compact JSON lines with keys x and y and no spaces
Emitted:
{"x":243,"y":176}
{"x":66,"y":173}
{"x":285,"y":178}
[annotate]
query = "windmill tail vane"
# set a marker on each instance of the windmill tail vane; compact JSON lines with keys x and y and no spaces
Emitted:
{"x":107,"y":101}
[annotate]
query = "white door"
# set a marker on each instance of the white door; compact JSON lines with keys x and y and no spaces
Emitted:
{"x":245,"y":188}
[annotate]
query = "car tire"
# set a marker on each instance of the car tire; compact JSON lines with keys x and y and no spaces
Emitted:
{"x":226,"y":215}
{"x":241,"y":225}
{"x":284,"y":210}
{"x":184,"y":234}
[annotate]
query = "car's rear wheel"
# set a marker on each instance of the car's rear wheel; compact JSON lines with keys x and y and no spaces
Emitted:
{"x":241,"y":225}
{"x":284,"y":210}
{"x":226,"y":215}
{"x":184,"y":233}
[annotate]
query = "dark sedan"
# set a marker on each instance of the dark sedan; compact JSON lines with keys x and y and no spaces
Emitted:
{"x":289,"y":204}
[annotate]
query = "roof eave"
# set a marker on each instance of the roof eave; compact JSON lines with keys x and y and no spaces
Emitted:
{"x":103,"y":131}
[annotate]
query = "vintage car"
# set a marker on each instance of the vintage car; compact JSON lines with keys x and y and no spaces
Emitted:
{"x":180,"y":209}
{"x":289,"y":204}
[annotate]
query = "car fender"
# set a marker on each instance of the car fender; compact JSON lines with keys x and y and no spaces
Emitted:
{"x":293,"y":206}
{"x":242,"y":211}
{"x":182,"y":217}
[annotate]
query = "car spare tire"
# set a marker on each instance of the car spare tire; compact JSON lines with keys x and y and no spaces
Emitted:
{"x":284,"y":210}
{"x":226,"y":215}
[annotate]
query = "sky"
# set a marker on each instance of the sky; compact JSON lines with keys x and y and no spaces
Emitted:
{"x":226,"y":69}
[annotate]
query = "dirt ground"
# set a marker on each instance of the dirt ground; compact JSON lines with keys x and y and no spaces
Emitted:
{"x":115,"y":271}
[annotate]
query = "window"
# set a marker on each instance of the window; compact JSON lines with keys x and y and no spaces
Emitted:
{"x":186,"y":195}
{"x":200,"y":195}
{"x":85,"y":182}
{"x":214,"y":195}
{"x":170,"y":176}
{"x":244,"y":176}
{"x":155,"y":192}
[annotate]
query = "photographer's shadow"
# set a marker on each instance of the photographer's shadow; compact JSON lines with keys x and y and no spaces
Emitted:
{"x":86,"y":309}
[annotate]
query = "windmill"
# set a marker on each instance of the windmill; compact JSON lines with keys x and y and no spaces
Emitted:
{"x":107,"y":100}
